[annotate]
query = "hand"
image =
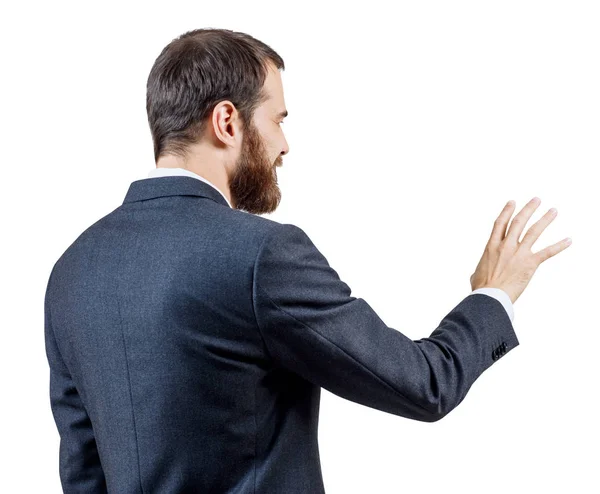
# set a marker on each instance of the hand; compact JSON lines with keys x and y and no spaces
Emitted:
{"x":508,"y":264}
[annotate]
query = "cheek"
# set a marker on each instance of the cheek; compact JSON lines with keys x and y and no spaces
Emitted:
{"x":269,"y":142}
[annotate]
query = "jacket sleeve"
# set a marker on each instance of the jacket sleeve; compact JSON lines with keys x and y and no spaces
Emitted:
{"x":312,"y":326}
{"x":79,"y":463}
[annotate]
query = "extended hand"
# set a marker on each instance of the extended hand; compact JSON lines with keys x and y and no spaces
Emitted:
{"x":507,"y":263}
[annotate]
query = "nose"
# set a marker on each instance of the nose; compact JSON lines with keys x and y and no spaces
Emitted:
{"x":286,"y":148}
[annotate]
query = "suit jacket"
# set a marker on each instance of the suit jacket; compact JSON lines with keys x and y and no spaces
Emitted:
{"x":188,"y":343}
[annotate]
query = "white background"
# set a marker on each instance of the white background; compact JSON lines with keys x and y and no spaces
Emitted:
{"x":410,"y":125}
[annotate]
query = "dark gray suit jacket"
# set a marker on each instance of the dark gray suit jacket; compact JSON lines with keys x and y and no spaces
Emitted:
{"x":188,"y":343}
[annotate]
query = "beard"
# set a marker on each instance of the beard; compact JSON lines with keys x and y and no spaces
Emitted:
{"x":253,"y":182}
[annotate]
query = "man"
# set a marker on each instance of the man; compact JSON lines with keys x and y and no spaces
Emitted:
{"x":188,"y":340}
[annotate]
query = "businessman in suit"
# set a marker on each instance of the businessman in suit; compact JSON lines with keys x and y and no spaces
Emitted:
{"x":188,"y":337}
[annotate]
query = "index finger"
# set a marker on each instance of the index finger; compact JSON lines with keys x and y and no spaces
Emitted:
{"x":499,"y":230}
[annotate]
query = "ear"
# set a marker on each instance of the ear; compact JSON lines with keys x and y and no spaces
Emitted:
{"x":226,"y":123}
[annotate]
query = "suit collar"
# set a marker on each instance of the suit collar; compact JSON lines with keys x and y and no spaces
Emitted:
{"x":151,"y":188}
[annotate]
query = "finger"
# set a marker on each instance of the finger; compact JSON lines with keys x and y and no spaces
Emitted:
{"x":519,"y":221}
{"x":551,"y":251}
{"x":538,"y":227}
{"x":501,"y":222}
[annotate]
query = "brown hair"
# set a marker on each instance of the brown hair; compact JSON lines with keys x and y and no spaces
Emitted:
{"x":196,"y":71}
